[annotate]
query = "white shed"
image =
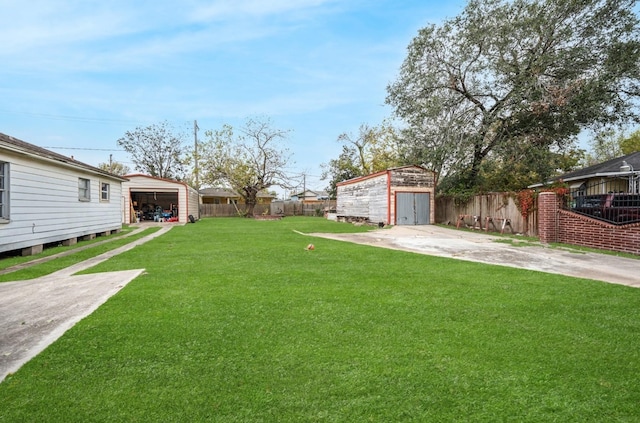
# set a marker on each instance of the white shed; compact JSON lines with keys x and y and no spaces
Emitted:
{"x":46,"y":198}
{"x":399,"y":196}
{"x":146,"y":196}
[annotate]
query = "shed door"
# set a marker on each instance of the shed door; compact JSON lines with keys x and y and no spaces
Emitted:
{"x":412,"y":208}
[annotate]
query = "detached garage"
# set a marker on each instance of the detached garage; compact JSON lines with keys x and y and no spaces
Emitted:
{"x":399,"y":196}
{"x":150,"y":198}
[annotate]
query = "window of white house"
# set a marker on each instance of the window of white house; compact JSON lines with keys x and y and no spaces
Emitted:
{"x":4,"y":191}
{"x":104,"y":191}
{"x":84,"y":189}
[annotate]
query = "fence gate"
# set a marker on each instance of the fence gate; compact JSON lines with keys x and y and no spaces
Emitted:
{"x":412,"y":208}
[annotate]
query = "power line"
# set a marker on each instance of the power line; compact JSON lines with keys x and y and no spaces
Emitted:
{"x":84,"y":148}
{"x":73,"y":118}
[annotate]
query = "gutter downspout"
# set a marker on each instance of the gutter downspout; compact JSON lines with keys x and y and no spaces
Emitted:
{"x":388,"y":197}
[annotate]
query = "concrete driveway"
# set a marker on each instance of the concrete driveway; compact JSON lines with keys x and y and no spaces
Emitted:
{"x":480,"y":247}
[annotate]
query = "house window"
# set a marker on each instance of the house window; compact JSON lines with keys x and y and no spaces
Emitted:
{"x":4,"y":191}
{"x":104,"y":191}
{"x":84,"y":189}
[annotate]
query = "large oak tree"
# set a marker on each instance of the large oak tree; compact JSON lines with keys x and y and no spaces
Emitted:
{"x":512,"y":82}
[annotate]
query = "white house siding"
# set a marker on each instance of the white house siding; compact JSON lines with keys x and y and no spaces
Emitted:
{"x":187,"y":197}
{"x":44,"y":205}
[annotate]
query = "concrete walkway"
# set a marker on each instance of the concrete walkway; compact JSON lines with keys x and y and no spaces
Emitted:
{"x":34,"y":313}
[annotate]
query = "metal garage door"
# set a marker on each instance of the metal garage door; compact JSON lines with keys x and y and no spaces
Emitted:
{"x":412,"y":208}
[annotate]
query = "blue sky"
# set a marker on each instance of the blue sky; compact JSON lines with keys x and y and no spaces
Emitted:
{"x":76,"y":75}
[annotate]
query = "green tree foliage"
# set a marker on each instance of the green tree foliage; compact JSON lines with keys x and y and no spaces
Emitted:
{"x":116,"y":168}
{"x":605,"y":145}
{"x":507,"y":85}
{"x":343,"y":168}
{"x":248,"y":162}
{"x":373,"y":149}
{"x":156,"y":150}
{"x":608,"y":144}
{"x":630,"y":144}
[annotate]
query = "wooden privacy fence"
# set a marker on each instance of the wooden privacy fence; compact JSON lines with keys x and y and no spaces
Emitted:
{"x":493,"y":209}
{"x":228,"y":210}
{"x":289,"y":208}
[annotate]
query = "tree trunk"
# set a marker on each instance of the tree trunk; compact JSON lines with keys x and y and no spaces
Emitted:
{"x":250,"y":207}
{"x":251,"y":200}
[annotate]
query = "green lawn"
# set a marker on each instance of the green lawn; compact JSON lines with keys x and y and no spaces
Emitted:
{"x":68,"y":256}
{"x":234,"y":321}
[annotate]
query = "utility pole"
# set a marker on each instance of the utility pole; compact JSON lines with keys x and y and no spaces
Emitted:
{"x":195,"y":149}
{"x":110,"y":163}
{"x":304,"y":190}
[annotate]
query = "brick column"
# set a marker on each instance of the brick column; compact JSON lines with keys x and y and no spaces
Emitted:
{"x":547,"y":216}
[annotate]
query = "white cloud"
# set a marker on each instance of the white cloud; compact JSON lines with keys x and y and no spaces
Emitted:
{"x":77,"y":36}
{"x":318,"y":66}
{"x":242,"y":9}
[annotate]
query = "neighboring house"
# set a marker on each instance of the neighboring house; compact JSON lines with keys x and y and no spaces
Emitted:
{"x":608,"y":191}
{"x":401,"y":196}
{"x":227,"y":196}
{"x":310,"y":195}
{"x":48,"y":198}
{"x":615,"y":175}
{"x":150,"y":198}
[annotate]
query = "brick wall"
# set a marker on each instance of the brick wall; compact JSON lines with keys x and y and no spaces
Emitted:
{"x":548,"y":217}
{"x":557,"y":225}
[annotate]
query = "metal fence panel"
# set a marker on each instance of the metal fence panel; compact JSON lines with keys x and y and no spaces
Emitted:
{"x":289,"y":208}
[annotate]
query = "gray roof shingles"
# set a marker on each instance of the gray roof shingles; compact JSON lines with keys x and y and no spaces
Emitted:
{"x":30,"y":149}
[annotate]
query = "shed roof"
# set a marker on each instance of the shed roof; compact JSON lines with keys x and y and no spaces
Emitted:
{"x":382,"y":172}
{"x":9,"y":143}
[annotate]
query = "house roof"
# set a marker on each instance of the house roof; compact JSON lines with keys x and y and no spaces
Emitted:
{"x":227,"y":193}
{"x":311,"y":193}
{"x":218,"y":192}
{"x":608,"y":168}
{"x":7,"y":142}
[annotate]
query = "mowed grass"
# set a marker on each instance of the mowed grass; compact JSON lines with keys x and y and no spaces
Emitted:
{"x":87,"y":250}
{"x":8,"y":260}
{"x":234,"y":321}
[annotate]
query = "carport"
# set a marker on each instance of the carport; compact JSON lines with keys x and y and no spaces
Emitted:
{"x":145,"y":203}
{"x":151,"y":198}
